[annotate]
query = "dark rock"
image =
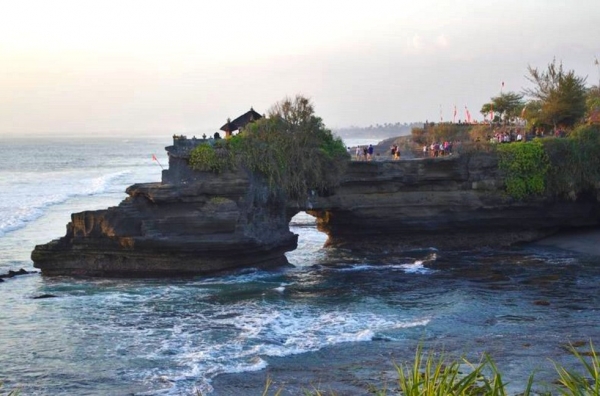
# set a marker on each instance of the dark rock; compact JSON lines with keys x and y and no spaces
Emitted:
{"x":42,"y":296}
{"x":11,"y":273}
{"x":541,"y":302}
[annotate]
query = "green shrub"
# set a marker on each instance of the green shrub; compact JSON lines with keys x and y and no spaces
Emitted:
{"x":525,"y":167}
{"x":206,"y":157}
{"x":291,"y":149}
{"x":574,"y":161}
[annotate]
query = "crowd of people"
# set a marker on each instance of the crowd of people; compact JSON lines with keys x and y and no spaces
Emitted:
{"x":364,"y":153}
{"x":437,"y":149}
{"x":507,"y":136}
{"x":367,"y":153}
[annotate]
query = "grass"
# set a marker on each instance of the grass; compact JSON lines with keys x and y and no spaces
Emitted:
{"x":15,"y":392}
{"x":576,"y":384}
{"x":430,"y":375}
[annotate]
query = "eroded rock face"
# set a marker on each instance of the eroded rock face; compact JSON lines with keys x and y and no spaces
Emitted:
{"x":450,"y":202}
{"x":199,"y":223}
{"x":191,"y":223}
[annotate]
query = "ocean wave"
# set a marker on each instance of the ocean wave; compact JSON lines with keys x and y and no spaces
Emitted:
{"x":415,"y":267}
{"x":235,"y":338}
{"x":31,"y":205}
{"x":261,"y":331}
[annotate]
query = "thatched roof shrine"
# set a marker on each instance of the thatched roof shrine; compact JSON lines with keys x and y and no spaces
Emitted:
{"x":240,"y":122}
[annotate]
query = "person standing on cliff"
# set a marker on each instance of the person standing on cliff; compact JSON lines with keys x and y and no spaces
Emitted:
{"x":370,"y":152}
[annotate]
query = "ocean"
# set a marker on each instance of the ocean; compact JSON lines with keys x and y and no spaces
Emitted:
{"x":177,"y":336}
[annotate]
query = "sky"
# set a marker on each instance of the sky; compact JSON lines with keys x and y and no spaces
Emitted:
{"x":164,"y":67}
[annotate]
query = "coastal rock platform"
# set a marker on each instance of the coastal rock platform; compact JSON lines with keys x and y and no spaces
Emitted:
{"x":200,"y":222}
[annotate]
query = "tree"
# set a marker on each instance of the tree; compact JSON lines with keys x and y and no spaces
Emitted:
{"x":532,"y":112}
{"x":293,"y":150}
{"x":507,"y":106}
{"x":562,"y":94}
{"x":592,"y":100}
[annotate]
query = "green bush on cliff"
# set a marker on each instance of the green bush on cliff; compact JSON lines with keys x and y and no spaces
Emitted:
{"x":214,"y":158}
{"x":525,"y":166}
{"x":291,"y":149}
{"x":574,"y":162}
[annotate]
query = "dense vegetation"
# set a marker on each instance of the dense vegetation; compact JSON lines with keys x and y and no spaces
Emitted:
{"x":574,"y":162}
{"x":526,"y":168}
{"x":564,"y":167}
{"x":291,"y":149}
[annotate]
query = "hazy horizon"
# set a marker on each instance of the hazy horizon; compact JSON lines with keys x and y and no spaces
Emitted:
{"x":154,"y":68}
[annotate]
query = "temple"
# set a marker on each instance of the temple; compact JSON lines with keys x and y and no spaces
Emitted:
{"x":239,"y":123}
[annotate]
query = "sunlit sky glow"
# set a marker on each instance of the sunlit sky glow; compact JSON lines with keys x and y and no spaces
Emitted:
{"x":153,"y":67}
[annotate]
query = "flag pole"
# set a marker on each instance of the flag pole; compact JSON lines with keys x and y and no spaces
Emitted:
{"x":156,"y":159}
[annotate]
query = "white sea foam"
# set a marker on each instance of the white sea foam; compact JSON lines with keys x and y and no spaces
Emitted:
{"x":31,"y":200}
{"x":416,"y":267}
{"x":234,"y":337}
{"x":263,"y":330}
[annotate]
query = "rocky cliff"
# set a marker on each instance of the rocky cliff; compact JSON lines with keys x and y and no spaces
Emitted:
{"x":198,"y":222}
{"x":191,"y":223}
{"x":448,"y":202}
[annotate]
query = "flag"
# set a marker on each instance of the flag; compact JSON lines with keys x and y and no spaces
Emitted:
{"x":492,"y":112}
{"x":502,"y":84}
{"x":156,"y":159}
{"x":454,"y":118}
{"x":467,"y":115}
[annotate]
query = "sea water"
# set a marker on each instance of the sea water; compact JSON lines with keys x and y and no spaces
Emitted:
{"x":174,"y":336}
